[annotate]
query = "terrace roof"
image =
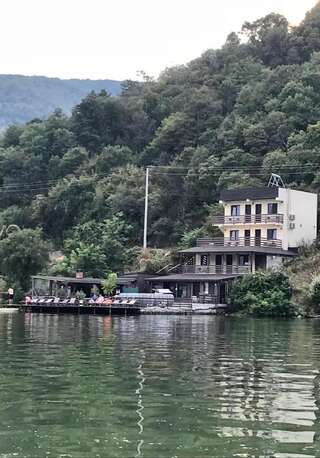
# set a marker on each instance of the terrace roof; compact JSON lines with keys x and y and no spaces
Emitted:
{"x":192,"y":277}
{"x":239,"y":249}
{"x":61,"y":279}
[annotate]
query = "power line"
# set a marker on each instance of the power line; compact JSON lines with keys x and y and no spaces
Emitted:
{"x":172,"y":171}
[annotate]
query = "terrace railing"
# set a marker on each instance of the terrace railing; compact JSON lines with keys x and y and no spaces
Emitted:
{"x":215,"y":269}
{"x":240,"y":242}
{"x":248,"y":219}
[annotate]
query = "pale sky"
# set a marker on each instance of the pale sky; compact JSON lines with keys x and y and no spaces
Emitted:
{"x":115,"y":39}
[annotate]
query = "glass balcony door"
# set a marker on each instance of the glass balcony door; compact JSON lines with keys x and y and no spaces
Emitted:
{"x":258,"y":213}
{"x":248,"y":210}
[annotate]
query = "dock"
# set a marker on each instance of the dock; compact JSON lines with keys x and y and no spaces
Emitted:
{"x":121,"y":310}
{"x":77,"y":309}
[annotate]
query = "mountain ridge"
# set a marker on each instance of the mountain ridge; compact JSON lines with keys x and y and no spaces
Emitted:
{"x":23,"y":98}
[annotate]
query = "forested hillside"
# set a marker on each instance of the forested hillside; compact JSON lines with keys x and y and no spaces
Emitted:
{"x":226,"y":119}
{"x":23,"y":98}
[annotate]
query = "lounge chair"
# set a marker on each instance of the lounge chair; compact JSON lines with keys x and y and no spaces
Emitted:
{"x":48,"y":301}
{"x":35,"y":300}
{"x":42,"y":300}
{"x":116,"y":302}
{"x":72,"y":301}
{"x":125,"y":302}
{"x":64,"y":302}
{"x":107,"y":302}
{"x":56,"y":300}
{"x":132,"y":302}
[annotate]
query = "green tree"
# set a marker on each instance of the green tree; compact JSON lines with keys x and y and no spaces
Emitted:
{"x":110,"y":283}
{"x":22,"y":254}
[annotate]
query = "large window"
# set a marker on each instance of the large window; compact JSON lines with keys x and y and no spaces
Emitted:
{"x":234,"y":235}
{"x":244,"y":260}
{"x":235,"y":210}
{"x":272,"y":234}
{"x":272,"y":209}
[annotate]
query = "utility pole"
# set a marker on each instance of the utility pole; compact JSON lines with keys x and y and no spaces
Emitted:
{"x":146,"y":200}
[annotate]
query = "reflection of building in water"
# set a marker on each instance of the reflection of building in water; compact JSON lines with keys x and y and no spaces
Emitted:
{"x":69,"y":328}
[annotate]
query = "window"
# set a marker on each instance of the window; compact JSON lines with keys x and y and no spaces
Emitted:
{"x":189,"y":261}
{"x":235,"y":210}
{"x":244,"y":260}
{"x":204,"y":260}
{"x":272,"y":234}
{"x":234,"y":235}
{"x":272,"y":209}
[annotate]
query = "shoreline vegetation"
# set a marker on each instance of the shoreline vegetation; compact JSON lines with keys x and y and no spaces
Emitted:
{"x":291,"y":291}
{"x":74,"y":185}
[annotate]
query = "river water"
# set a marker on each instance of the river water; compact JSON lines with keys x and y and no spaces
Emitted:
{"x":158,"y":387}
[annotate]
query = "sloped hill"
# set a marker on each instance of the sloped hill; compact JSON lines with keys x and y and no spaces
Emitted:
{"x":23,"y":98}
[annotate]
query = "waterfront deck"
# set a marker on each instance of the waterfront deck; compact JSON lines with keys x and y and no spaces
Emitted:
{"x":78,"y":309}
{"x":175,"y":309}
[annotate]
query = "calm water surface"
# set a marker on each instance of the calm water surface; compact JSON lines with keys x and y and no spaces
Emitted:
{"x":158,"y":386}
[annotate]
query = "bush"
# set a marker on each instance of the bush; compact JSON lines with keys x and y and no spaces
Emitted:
{"x":314,"y":293}
{"x":263,"y":294}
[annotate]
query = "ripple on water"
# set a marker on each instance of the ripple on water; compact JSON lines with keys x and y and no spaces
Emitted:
{"x":158,"y":386}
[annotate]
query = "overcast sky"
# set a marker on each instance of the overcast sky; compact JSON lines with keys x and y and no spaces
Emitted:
{"x":115,"y":39}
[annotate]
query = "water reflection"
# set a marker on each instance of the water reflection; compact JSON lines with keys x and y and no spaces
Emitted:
{"x":158,"y":386}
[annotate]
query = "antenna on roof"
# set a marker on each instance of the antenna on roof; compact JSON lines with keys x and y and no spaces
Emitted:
{"x":275,"y":181}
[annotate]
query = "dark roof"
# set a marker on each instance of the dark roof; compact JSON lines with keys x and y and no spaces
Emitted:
{"x":252,"y":193}
{"x":239,"y":249}
{"x":68,"y":279}
{"x":124,"y":279}
{"x":192,"y":277}
{"x":132,"y":277}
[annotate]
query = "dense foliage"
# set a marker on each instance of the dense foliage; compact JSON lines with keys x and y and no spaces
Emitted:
{"x":263,"y":294}
{"x":303,"y":272}
{"x":226,"y":119}
{"x":26,"y":97}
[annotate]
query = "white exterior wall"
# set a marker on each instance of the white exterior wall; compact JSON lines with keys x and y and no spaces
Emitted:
{"x":303,"y":208}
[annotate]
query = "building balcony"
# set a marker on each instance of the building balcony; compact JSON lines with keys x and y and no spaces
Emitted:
{"x":240,"y":242}
{"x":215,"y":269}
{"x":248,"y":219}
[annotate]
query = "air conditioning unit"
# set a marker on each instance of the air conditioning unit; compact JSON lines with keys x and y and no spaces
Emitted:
{"x":292,"y":226}
{"x":292,"y":217}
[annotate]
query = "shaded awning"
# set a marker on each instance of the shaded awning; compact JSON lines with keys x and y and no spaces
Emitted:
{"x":239,"y":249}
{"x":61,"y":279}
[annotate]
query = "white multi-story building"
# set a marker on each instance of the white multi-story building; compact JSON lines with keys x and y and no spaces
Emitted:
{"x":260,"y":227}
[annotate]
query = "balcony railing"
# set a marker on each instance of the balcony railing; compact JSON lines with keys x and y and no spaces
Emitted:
{"x":248,"y":219}
{"x":214,"y":269}
{"x":240,"y":242}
